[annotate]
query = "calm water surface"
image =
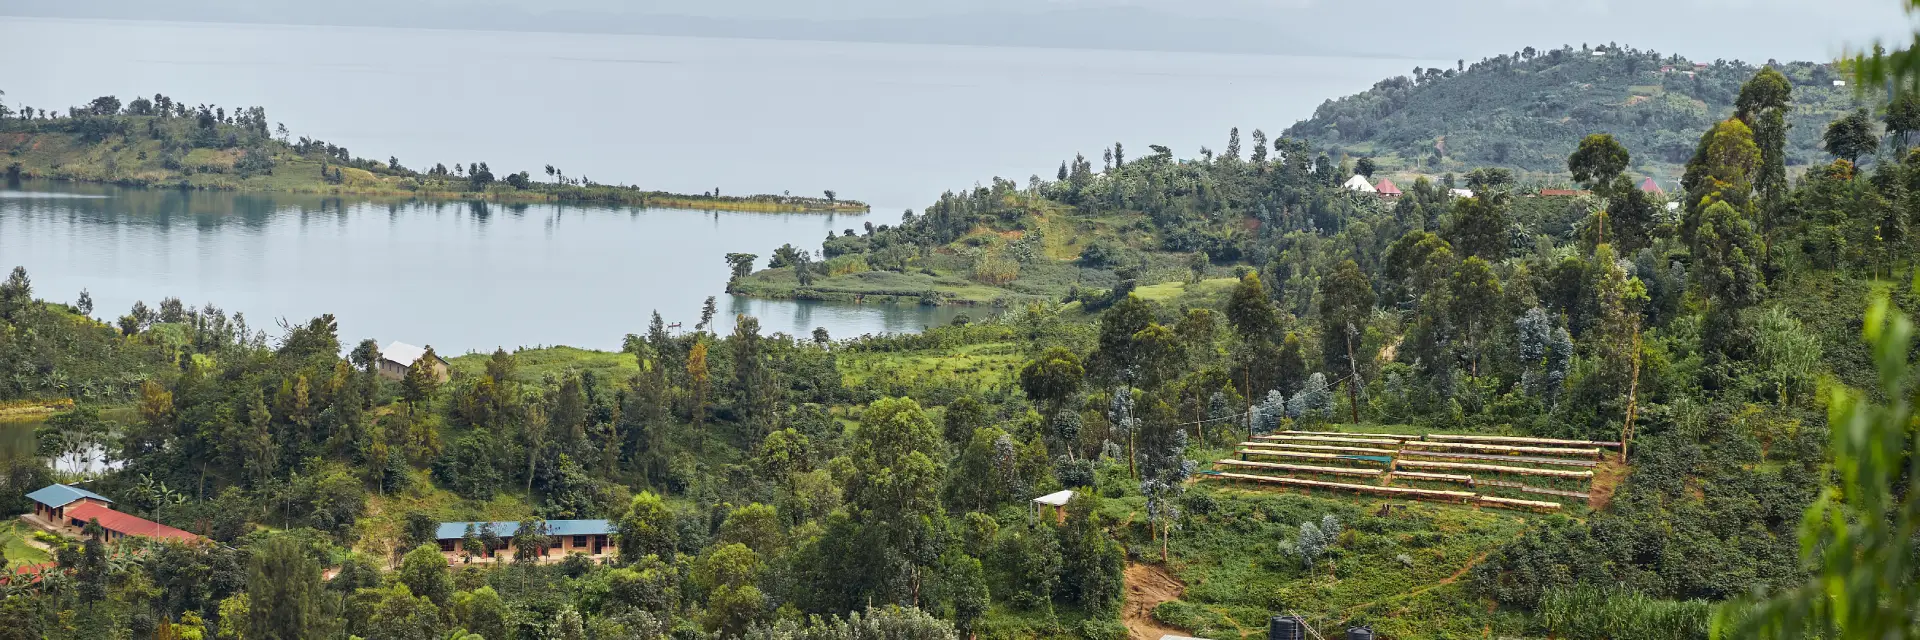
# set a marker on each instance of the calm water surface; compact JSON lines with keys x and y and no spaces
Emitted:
{"x":459,"y":276}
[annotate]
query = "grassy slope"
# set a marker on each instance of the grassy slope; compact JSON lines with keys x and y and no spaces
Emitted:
{"x":1237,"y":574}
{"x":19,"y":553}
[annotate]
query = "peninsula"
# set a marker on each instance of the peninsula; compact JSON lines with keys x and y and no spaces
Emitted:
{"x":165,"y":143}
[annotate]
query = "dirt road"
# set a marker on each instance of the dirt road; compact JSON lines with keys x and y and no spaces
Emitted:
{"x":1147,"y":587}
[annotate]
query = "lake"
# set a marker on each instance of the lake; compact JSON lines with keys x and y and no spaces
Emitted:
{"x":460,"y":276}
{"x":890,"y":124}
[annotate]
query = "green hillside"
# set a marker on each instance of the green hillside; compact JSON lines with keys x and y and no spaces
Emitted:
{"x":1526,"y":111}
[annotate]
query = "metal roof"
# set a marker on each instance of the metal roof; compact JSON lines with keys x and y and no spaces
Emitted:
{"x":402,"y":352}
{"x":60,"y":495}
{"x":127,"y":524}
{"x":1057,"y":498}
{"x":458,"y":530}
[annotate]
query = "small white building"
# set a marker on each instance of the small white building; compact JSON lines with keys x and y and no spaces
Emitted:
{"x":1839,"y":83}
{"x":1055,"y":503}
{"x":1460,"y":193}
{"x":398,"y":356}
{"x":1359,"y":183}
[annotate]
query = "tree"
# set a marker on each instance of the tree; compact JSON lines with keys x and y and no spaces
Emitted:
{"x":1479,"y":227}
{"x":1250,"y":312}
{"x":84,"y":304}
{"x":893,"y":491}
{"x":1852,"y":136}
{"x":1473,"y":296}
{"x":831,"y":196}
{"x":965,"y":414}
{"x":1051,"y":379}
{"x":707,"y":312}
{"x":422,"y":380}
{"x":1763,"y":105}
{"x":1346,"y":303}
{"x":646,"y":529}
{"x":967,"y":585}
{"x":1903,"y":119}
{"x":15,"y":295}
{"x":398,"y":614}
{"x":742,"y":266}
{"x":1599,"y":162}
{"x":1365,"y":166}
{"x":482,"y":612}
{"x":424,"y":571}
{"x":287,"y":598}
{"x":530,"y":541}
{"x":699,"y":383}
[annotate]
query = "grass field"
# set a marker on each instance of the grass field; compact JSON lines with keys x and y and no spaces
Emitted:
{"x":1404,"y":572}
{"x":979,"y":365}
{"x":13,"y":539}
{"x":537,"y":363}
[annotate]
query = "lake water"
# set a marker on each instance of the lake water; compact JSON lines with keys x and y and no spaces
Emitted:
{"x":890,"y":124}
{"x":457,"y":275}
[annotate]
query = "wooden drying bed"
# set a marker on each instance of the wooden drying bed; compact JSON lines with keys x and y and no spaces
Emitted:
{"x":1448,"y":496}
{"x":1390,"y":443}
{"x":1332,"y":471}
{"x":1461,"y":466}
{"x":1385,"y":436}
{"x":1315,"y":447}
{"x":1565,"y":462}
{"x":1545,"y":451}
{"x":1437,"y":477}
{"x":1523,"y":441}
{"x":1517,"y":504}
{"x":1303,"y":454}
{"x":1526,"y":488}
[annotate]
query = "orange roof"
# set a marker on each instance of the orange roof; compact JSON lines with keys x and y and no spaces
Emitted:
{"x":127,"y":524}
{"x":1650,"y":186}
{"x":1386,"y":188}
{"x":31,"y":571}
{"x":1561,"y":192}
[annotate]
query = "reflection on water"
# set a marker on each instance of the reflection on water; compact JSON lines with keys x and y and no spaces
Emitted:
{"x":459,"y":276}
{"x":17,"y":443}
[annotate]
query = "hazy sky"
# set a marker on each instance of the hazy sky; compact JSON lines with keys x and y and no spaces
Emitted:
{"x":1702,"y":29}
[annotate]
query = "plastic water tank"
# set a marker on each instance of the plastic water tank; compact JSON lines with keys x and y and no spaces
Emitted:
{"x":1360,"y":633}
{"x":1286,"y":628}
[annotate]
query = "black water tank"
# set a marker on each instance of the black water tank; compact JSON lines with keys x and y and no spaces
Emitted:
{"x":1360,"y":633}
{"x":1286,"y":628}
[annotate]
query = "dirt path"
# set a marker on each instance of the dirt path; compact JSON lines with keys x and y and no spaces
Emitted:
{"x":1147,"y":587}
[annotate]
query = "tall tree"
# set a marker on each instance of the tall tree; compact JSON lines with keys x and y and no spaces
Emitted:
{"x":1599,"y":162}
{"x":1346,"y":303}
{"x":1852,"y":136}
{"x":286,"y":596}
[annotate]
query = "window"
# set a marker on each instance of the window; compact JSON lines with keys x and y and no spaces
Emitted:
{"x":579,"y":541}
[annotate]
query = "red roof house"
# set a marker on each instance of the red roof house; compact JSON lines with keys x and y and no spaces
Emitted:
{"x":1650,"y":186}
{"x":1562,"y":193}
{"x":1387,"y":190}
{"x":120,"y":525}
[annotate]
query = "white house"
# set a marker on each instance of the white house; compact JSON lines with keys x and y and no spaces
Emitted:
{"x":1359,"y":183}
{"x":400,"y":356}
{"x":1460,"y":193}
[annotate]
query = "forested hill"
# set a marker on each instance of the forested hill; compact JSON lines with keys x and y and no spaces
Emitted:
{"x":1528,"y":110}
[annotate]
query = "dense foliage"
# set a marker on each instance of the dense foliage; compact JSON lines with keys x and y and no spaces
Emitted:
{"x":1527,"y":109}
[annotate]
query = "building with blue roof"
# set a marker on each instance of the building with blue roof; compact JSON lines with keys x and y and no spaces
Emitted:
{"x":591,"y":537}
{"x":50,"y":503}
